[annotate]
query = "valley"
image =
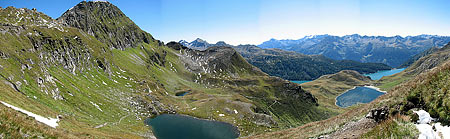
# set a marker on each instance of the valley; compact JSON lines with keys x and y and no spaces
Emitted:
{"x":291,"y":65}
{"x":93,"y":72}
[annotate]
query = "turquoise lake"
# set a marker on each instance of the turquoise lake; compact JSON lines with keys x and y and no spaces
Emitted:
{"x":357,"y":95}
{"x":173,"y":126}
{"x":378,"y":75}
{"x":300,"y":82}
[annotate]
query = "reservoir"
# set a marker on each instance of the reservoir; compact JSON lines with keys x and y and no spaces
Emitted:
{"x":357,"y":95}
{"x":378,"y":75}
{"x":173,"y":126}
{"x":300,"y":82}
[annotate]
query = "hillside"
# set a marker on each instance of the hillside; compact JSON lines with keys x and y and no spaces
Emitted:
{"x":328,"y":87}
{"x":427,"y":90}
{"x":392,"y":51}
{"x":421,"y":65}
{"x":103,"y":76}
{"x":418,"y":56}
{"x":291,"y":65}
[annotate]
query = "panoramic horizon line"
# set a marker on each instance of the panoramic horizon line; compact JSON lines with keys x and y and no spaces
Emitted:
{"x":403,"y":36}
{"x":250,"y":41}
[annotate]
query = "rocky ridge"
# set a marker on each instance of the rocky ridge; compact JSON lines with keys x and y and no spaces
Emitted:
{"x":107,"y":23}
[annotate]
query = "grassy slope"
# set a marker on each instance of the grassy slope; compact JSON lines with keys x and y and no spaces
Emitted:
{"x":79,"y":91}
{"x":423,"y":64}
{"x":131,"y":78}
{"x":428,"y":91}
{"x":327,"y":93}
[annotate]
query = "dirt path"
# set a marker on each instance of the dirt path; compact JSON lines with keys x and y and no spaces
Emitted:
{"x":353,"y":130}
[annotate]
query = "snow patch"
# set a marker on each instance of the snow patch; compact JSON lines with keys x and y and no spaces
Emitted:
{"x":375,"y":88}
{"x":424,"y":117}
{"x":96,"y":106}
{"x":426,"y":130}
{"x":48,"y":121}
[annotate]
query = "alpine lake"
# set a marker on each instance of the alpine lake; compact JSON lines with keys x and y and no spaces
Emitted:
{"x":174,"y":126}
{"x":362,"y":94}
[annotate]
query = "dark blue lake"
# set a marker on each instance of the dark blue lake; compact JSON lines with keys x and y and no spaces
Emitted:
{"x":378,"y":75}
{"x":357,"y":95}
{"x":300,"y":82}
{"x":172,"y":126}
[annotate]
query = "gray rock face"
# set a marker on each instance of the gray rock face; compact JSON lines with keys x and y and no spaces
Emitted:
{"x":107,"y":23}
{"x":378,"y":114}
{"x":70,"y":52}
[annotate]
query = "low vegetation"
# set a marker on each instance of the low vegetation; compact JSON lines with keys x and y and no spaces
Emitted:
{"x":398,"y":126}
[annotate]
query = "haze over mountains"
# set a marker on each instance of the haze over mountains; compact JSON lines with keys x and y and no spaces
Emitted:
{"x":392,"y":51}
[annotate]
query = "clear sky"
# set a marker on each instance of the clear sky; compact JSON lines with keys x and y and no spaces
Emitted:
{"x":255,"y":21}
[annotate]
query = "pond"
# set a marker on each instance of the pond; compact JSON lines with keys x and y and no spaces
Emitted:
{"x":378,"y":75}
{"x":173,"y":126}
{"x":182,"y":93}
{"x":300,"y":82}
{"x":357,"y":95}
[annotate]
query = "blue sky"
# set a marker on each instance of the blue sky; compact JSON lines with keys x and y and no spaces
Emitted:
{"x":255,"y":21}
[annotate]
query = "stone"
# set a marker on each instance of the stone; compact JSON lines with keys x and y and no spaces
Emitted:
{"x":378,"y":114}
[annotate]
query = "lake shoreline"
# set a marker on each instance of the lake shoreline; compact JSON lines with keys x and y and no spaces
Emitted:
{"x":364,"y":86}
{"x":375,"y":88}
{"x":335,"y":99}
{"x":166,"y":121}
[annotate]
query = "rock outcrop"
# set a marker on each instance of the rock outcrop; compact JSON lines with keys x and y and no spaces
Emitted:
{"x":107,"y":23}
{"x":378,"y":114}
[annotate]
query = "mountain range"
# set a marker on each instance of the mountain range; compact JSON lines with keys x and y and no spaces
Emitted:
{"x":392,"y":51}
{"x":291,"y":65}
{"x":96,"y":74}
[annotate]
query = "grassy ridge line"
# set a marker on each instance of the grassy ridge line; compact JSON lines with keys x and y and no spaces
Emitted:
{"x":328,"y":87}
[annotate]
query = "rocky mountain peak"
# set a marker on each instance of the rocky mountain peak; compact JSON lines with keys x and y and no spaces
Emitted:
{"x":221,"y":43}
{"x":23,"y":16}
{"x":107,"y":23}
{"x":198,"y":40}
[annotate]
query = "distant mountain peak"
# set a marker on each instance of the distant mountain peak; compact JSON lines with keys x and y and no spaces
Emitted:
{"x":391,"y":50}
{"x":183,"y":41}
{"x":201,"y":44}
{"x":221,"y":43}
{"x":198,"y":40}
